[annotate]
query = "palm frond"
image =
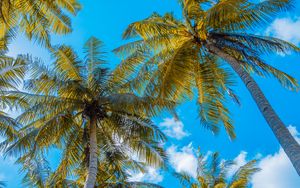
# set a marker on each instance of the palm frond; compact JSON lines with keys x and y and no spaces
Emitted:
{"x":37,"y":19}
{"x":243,"y":175}
{"x":36,"y":171}
{"x":67,"y":63}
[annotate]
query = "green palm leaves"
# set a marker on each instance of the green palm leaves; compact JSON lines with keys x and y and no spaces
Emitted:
{"x":36,"y":18}
{"x":175,"y":59}
{"x":74,"y":102}
{"x":169,"y":63}
{"x":214,"y":173}
{"x":11,"y":74}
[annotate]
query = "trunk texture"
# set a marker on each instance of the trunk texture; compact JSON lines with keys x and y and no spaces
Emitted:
{"x":93,"y":158}
{"x":286,"y":140}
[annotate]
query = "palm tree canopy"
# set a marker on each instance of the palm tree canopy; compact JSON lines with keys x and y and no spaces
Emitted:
{"x":59,"y":101}
{"x":169,"y":57}
{"x":35,"y":18}
{"x":212,"y":172}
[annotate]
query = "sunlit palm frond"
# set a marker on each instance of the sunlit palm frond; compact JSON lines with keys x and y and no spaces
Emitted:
{"x":252,"y":62}
{"x":256,"y":43}
{"x":36,"y":29}
{"x":94,"y":60}
{"x":70,"y":5}
{"x":67,"y":63}
{"x":233,"y":15}
{"x":243,"y":175}
{"x":12,"y":71}
{"x":5,"y":40}
{"x":36,"y":18}
{"x":8,"y":126}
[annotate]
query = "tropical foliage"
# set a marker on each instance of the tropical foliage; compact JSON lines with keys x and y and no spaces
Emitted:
{"x":12,"y":71}
{"x":38,"y":174}
{"x":212,"y":172}
{"x":74,"y":106}
{"x":176,"y":58}
{"x":37,"y":19}
{"x":99,"y":121}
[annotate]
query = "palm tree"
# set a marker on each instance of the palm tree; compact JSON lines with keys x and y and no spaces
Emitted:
{"x":214,"y":173}
{"x":169,"y":58}
{"x":36,"y":18}
{"x":11,"y":74}
{"x":75,"y":106}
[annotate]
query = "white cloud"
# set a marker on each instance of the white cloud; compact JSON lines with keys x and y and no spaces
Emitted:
{"x":152,"y":175}
{"x":276,"y":170}
{"x":286,"y":29}
{"x":183,"y":160}
{"x":173,"y":128}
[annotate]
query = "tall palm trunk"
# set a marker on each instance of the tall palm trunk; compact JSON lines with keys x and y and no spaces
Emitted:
{"x":286,"y":140}
{"x":93,"y":158}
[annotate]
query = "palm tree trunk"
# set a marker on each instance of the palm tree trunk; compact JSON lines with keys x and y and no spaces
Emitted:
{"x":286,"y":140}
{"x":93,"y":161}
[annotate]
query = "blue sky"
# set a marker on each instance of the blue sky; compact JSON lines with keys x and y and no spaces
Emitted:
{"x":108,"y":19}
